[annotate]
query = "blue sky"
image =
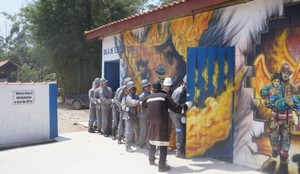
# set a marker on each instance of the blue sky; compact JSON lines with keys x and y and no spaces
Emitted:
{"x":11,"y":7}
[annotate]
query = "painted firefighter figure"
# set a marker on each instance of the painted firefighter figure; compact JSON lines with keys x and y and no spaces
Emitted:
{"x":282,"y":98}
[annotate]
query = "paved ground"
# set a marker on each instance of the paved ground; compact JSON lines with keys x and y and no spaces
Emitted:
{"x":82,"y":152}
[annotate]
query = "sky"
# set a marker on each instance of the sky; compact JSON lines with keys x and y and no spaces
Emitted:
{"x":11,"y":7}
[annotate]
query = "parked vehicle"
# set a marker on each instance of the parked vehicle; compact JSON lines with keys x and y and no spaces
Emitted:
{"x":78,"y":101}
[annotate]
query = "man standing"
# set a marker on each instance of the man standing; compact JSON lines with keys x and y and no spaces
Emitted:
{"x":131,"y":125}
{"x":158,"y":104}
{"x":118,"y":122}
{"x":143,"y":115}
{"x":92,"y":108}
{"x":179,"y":97}
{"x":106,"y":101}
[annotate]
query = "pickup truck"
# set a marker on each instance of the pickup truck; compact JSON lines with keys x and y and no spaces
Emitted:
{"x":78,"y":101}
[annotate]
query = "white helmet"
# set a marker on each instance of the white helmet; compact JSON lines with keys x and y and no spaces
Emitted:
{"x":130,"y":85}
{"x":168,"y":82}
{"x":145,"y":82}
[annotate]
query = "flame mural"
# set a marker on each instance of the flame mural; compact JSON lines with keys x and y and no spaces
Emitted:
{"x":162,"y":50}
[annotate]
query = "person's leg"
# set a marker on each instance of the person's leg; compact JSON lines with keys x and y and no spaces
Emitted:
{"x":152,"y":150}
{"x":129,"y":133}
{"x":162,"y":159}
{"x":115,"y":122}
{"x":99,"y":125}
{"x":104,"y":121}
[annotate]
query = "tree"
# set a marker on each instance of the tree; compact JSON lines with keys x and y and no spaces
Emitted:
{"x":57,"y":28}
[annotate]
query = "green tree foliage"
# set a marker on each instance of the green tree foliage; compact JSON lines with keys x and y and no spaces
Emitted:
{"x":15,"y":46}
{"x":57,"y":27}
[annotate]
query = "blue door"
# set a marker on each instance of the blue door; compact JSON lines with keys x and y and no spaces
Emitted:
{"x":112,"y":73}
{"x":210,"y":85}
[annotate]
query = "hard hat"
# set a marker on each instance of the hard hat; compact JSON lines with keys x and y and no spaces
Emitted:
{"x":156,"y":85}
{"x":185,"y":79}
{"x":145,"y":82}
{"x":103,"y":80}
{"x":130,"y":84}
{"x":286,"y":68}
{"x":97,"y":81}
{"x":126,"y":80}
{"x":168,"y":82}
{"x":161,"y":70}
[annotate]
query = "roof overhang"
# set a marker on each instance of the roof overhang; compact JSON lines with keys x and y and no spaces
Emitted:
{"x":171,"y":11}
{"x":8,"y":65}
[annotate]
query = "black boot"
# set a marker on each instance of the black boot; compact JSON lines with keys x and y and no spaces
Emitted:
{"x":120,"y":141}
{"x":114,"y":134}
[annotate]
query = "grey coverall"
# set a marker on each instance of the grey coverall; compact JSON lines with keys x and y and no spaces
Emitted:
{"x":98,"y":107}
{"x":131,"y":125}
{"x":92,"y":107}
{"x":179,"y":97}
{"x":143,"y":123}
{"x":106,"y":101}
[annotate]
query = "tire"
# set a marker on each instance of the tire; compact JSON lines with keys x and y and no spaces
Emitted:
{"x":77,"y":104}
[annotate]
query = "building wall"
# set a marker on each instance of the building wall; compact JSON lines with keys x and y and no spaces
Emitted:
{"x":265,"y":34}
{"x":28,"y":113}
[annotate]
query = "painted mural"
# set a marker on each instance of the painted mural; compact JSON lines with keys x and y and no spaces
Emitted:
{"x":265,"y":35}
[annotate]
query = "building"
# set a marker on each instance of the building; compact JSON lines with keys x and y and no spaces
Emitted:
{"x":7,"y":68}
{"x":230,"y":50}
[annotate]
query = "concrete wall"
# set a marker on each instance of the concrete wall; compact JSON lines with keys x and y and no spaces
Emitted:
{"x":28,"y":113}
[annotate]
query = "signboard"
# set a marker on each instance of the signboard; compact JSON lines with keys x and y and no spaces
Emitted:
{"x":23,"y":97}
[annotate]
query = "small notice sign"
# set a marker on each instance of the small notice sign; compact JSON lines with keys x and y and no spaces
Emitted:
{"x":23,"y":97}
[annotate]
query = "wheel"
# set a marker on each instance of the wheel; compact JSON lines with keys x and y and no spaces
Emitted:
{"x":76,"y":104}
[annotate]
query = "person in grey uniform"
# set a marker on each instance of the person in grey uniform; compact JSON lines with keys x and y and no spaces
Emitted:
{"x":131,"y":102}
{"x":106,"y":96}
{"x":179,"y":97}
{"x":117,"y":109}
{"x":143,"y":116}
{"x":92,"y":108}
{"x":97,"y":102}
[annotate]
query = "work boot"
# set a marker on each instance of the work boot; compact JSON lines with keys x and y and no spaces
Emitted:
{"x":91,"y":130}
{"x":164,"y":168}
{"x":180,"y":155}
{"x":114,"y":134}
{"x":120,"y":141}
{"x":129,"y":149}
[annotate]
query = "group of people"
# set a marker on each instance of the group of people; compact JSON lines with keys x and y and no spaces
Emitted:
{"x":145,"y":120}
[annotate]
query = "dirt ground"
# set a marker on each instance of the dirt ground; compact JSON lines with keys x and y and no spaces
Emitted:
{"x":70,"y":120}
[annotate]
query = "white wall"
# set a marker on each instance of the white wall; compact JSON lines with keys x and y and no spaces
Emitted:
{"x":25,"y":114}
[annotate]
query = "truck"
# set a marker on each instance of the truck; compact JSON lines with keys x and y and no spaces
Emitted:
{"x":77,"y":100}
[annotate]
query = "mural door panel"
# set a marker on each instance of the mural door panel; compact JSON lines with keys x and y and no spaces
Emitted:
{"x":112,"y":73}
{"x":210,"y":85}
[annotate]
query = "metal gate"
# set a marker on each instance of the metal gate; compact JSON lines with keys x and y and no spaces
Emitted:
{"x":210,"y":85}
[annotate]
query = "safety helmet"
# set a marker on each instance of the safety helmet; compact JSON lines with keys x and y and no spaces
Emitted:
{"x":168,"y":82}
{"x":286,"y":68}
{"x":103,"y":80}
{"x":185,"y":79}
{"x":97,"y":81}
{"x":145,"y":82}
{"x":130,"y":84}
{"x":126,"y":80}
{"x":160,"y":70}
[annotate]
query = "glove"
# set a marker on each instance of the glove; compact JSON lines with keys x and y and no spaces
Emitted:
{"x":99,"y":101}
{"x":189,"y":104}
{"x":127,"y":109}
{"x":113,"y":100}
{"x":183,"y":120}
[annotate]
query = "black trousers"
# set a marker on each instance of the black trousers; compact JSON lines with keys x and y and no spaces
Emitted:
{"x":162,"y":154}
